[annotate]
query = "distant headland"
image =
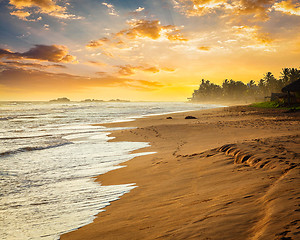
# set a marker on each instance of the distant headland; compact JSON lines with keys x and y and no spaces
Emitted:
{"x":60,"y":100}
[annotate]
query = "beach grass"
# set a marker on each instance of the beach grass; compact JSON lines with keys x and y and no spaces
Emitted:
{"x":275,"y":104}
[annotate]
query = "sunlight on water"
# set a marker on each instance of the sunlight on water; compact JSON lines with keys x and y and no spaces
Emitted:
{"x":49,"y":154}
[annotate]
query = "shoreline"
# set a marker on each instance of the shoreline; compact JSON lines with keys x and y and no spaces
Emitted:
{"x":181,"y":191}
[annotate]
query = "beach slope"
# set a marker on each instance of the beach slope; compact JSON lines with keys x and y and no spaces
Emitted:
{"x":230,"y":173}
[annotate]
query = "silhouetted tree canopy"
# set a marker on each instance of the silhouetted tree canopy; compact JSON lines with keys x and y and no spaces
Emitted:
{"x":237,"y":90}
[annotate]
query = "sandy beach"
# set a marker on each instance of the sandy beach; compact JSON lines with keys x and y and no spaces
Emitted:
{"x":230,"y":173}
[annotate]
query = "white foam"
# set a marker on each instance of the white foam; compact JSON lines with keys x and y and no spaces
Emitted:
{"x":48,"y":191}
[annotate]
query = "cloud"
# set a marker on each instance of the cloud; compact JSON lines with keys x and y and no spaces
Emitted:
{"x":50,"y":53}
{"x":16,"y":78}
{"x":258,"y":8}
{"x":111,"y":9}
{"x":18,"y":64}
{"x":253,"y":38}
{"x":44,"y":5}
{"x":150,"y":69}
{"x":46,"y":27}
{"x":168,"y":69}
{"x":128,"y":70}
{"x":204,"y":48}
{"x":252,"y":33}
{"x":151,"y":29}
{"x":198,"y":7}
{"x":137,"y":12}
{"x":96,"y":63}
{"x":139,"y":9}
{"x":288,"y":7}
{"x":21,"y":14}
{"x":102,"y":73}
{"x":48,"y":7}
{"x":140,"y":29}
{"x":98,"y":43}
{"x":236,"y":9}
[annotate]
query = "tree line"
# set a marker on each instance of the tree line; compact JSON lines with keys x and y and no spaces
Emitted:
{"x":236,"y":90}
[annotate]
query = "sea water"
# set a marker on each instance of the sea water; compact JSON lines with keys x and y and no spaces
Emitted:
{"x":49,"y":153}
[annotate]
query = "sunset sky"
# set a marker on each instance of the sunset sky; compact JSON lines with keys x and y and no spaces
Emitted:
{"x":141,"y":49}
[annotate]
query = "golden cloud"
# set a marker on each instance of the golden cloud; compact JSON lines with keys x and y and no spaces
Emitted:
{"x":18,"y":64}
{"x":96,"y":63}
{"x":45,"y":81}
{"x":198,"y":7}
{"x":21,"y":14}
{"x":253,"y":33}
{"x":168,"y":69}
{"x":151,"y":29}
{"x":98,"y":43}
{"x":52,"y":53}
{"x":288,"y":7}
{"x":150,"y":69}
{"x":44,"y":6}
{"x":128,"y":70}
{"x":258,"y":9}
{"x":204,"y":48}
{"x":140,"y":29}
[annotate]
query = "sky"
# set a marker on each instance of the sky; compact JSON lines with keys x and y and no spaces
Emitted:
{"x":141,"y":50}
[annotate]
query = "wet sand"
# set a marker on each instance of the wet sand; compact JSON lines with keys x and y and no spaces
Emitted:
{"x":232,"y":173}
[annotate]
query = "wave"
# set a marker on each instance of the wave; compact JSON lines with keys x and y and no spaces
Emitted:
{"x":24,"y":137}
{"x":28,"y":149}
{"x":6,"y":118}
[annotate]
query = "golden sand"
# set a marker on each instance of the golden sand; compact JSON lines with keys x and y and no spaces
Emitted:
{"x":232,"y":173}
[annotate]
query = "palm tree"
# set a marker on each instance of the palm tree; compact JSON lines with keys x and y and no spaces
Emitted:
{"x":289,"y":75}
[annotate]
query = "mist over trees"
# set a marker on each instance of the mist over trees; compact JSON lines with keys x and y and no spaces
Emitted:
{"x":231,"y":90}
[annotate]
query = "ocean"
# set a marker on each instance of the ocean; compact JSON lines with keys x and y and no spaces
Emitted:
{"x":49,"y":154}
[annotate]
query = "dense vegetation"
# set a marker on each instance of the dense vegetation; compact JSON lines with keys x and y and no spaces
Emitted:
{"x":231,"y":90}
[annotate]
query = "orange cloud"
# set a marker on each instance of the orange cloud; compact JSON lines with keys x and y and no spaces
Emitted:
{"x":52,"y":53}
{"x":167,"y":69}
{"x":44,"y":6}
{"x":236,"y":9}
{"x":204,"y":48}
{"x":151,"y":29}
{"x":128,"y":70}
{"x":16,"y":78}
{"x":258,"y":8}
{"x":140,"y":29}
{"x":198,"y":7}
{"x":288,"y":7}
{"x":100,"y":64}
{"x":19,"y":64}
{"x":150,"y":69}
{"x":98,"y":43}
{"x":253,"y":34}
{"x":21,"y":14}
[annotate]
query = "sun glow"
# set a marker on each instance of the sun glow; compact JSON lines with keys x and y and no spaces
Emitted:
{"x":149,"y":52}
